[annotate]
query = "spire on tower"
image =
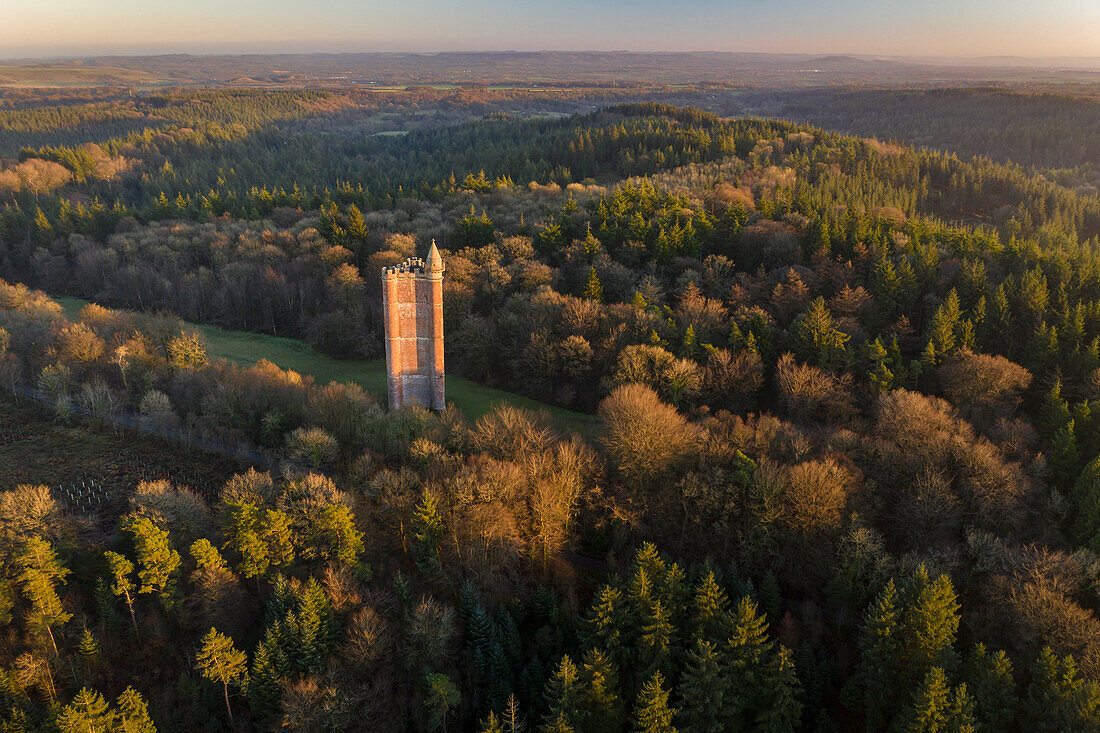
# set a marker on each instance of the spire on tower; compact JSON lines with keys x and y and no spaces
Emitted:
{"x":435,"y":262}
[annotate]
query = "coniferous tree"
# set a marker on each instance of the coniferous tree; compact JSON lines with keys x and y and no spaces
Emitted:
{"x":88,"y":648}
{"x":158,"y":562}
{"x":86,"y":713}
{"x":942,"y":329}
{"x":879,"y":642}
{"x":703,"y":693}
{"x":652,"y":713}
{"x":262,"y":539}
{"x":218,"y":660}
{"x":40,"y":572}
{"x":334,"y":536}
{"x":988,"y":677}
{"x":1058,"y":699}
{"x":1065,"y":457}
{"x":593,"y":290}
{"x":781,"y":710}
{"x":119,"y":571}
{"x":428,"y":533}
{"x":601,"y":691}
{"x":265,"y":680}
{"x":817,"y":339}
{"x":710,"y":609}
{"x":492,"y":724}
{"x":565,"y":695}
{"x":606,"y":624}
{"x":928,"y":626}
{"x":206,"y":555}
{"x":879,"y":376}
{"x":133,"y":713}
{"x":770,"y":598}
{"x":308,"y":629}
{"x":655,"y":642}
{"x":1086,"y":499}
{"x":935,"y":708}
{"x":357,"y":233}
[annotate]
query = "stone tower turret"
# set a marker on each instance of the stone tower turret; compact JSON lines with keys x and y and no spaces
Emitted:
{"x":412,"y":303}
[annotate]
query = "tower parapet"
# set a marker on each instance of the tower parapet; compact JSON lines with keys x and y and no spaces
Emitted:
{"x":412,"y":303}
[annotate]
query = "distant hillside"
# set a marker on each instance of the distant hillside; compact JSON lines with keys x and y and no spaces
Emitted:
{"x":536,"y":67}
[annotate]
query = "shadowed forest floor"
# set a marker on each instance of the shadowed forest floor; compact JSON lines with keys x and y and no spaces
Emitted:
{"x":56,"y":454}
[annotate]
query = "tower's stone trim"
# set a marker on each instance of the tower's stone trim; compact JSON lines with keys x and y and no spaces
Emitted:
{"x":412,"y":301}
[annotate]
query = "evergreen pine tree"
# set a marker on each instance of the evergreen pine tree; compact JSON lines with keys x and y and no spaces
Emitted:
{"x":86,"y":713}
{"x":710,"y":609}
{"x":206,"y":555}
{"x":309,"y":630}
{"x":652,"y":713}
{"x":879,"y":376}
{"x":357,"y":234}
{"x":88,"y":648}
{"x":565,"y":695}
{"x":601,"y":692}
{"x":133,"y":713}
{"x":262,"y":538}
{"x":105,"y":605}
{"x":781,"y":708}
{"x":428,"y":531}
{"x":40,"y":572}
{"x":817,"y":340}
{"x":928,"y":711}
{"x":219,"y":661}
{"x":158,"y":563}
{"x":440,"y":698}
{"x":1085,"y":496}
{"x":879,"y":644}
{"x":606,"y":623}
{"x":655,"y":644}
{"x":944,"y":324}
{"x":593,"y":290}
{"x":1065,"y":458}
{"x":928,"y":627}
{"x":119,"y":571}
{"x":988,"y":677}
{"x":269,"y":665}
{"x":492,"y":724}
{"x":691,"y":345}
{"x":1058,"y":699}
{"x":1054,"y":413}
{"x":770,"y":598}
{"x":703,"y":693}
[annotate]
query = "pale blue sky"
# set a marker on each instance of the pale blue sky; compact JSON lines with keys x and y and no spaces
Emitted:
{"x":894,"y":27}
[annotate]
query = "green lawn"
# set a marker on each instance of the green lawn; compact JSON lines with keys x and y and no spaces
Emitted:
{"x":248,"y":348}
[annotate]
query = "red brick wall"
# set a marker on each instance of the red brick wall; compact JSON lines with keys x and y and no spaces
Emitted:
{"x":412,"y":299}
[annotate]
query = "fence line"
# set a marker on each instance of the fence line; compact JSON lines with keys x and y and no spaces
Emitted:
{"x":142,"y":424}
{"x":90,"y":495}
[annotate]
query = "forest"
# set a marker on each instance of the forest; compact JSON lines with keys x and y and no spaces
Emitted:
{"x":844,"y":474}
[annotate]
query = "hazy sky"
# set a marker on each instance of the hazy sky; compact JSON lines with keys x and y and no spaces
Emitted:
{"x":895,"y":27}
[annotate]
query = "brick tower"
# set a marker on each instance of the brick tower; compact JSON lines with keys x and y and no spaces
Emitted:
{"x":412,"y":301}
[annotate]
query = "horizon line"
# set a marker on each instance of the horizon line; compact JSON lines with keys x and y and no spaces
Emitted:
{"x":62,"y":56}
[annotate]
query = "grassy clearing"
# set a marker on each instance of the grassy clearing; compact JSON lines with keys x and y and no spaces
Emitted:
{"x":248,"y":348}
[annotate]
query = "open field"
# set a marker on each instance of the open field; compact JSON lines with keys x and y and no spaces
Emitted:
{"x":248,"y":348}
{"x":76,"y":75}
